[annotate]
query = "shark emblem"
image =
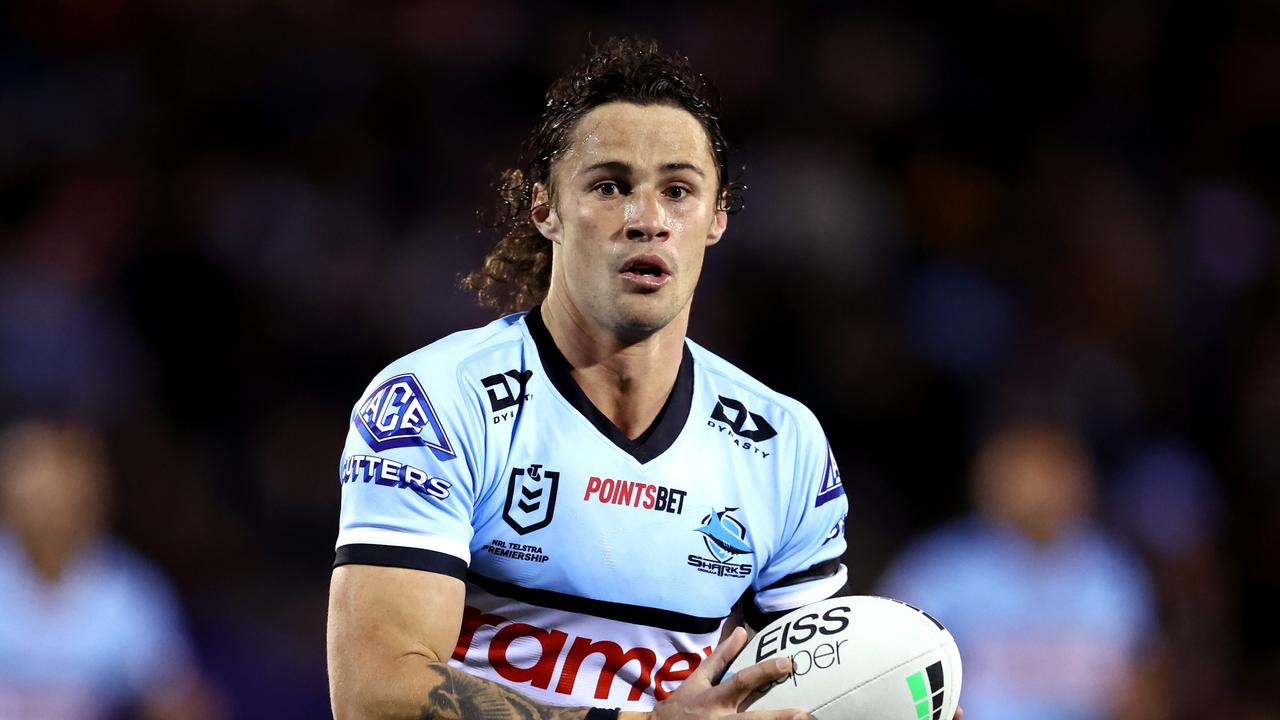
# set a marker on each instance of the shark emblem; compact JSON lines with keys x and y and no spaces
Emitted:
{"x":723,"y":534}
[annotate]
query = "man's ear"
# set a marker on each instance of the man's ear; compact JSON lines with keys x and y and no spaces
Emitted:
{"x":544,"y":214}
{"x":718,"y":225}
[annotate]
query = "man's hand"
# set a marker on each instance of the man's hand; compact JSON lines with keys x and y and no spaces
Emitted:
{"x":701,"y":699}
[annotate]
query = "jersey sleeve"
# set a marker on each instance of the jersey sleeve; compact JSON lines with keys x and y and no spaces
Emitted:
{"x":408,"y":477}
{"x":807,"y":566}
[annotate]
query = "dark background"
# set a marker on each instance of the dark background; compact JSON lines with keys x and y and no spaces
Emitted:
{"x":219,"y":218}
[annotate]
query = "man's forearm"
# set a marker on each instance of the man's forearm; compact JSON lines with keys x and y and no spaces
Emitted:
{"x":452,"y":694}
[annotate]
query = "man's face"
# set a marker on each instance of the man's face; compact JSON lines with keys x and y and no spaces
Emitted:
{"x":633,"y":210}
{"x":52,"y":490}
{"x":1036,"y":481}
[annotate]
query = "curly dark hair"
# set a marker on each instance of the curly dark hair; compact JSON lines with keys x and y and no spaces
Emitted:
{"x":517,"y":272}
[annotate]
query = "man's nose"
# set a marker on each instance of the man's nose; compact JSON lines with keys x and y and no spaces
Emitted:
{"x":646,"y":218}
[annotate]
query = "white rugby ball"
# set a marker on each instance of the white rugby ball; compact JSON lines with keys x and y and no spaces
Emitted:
{"x":858,"y":658}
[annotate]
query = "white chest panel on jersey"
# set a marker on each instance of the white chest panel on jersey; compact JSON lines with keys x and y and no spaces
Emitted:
{"x":599,"y":569}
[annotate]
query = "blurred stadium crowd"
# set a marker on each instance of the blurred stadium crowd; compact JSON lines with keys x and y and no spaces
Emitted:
{"x":219,"y":218}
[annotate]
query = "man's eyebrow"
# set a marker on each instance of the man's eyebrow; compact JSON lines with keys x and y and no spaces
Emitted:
{"x":614,"y":166}
{"x":672,"y":167}
{"x":622,"y":168}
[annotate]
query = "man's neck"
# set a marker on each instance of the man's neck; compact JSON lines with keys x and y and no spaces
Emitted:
{"x":50,"y":557}
{"x":628,"y":382}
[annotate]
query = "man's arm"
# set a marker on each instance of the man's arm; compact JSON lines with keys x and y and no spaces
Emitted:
{"x":392,"y":630}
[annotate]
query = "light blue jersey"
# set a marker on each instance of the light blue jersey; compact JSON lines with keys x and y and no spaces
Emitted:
{"x":1048,"y":631}
{"x":599,"y":569}
{"x":83,"y":647}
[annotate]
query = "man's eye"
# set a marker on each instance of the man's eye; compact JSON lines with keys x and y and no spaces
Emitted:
{"x":675,"y":192}
{"x":608,"y":189}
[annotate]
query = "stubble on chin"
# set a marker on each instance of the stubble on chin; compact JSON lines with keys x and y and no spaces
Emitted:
{"x":641,"y":317}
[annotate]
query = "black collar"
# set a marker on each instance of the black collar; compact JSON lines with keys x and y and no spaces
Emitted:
{"x":665,"y":428}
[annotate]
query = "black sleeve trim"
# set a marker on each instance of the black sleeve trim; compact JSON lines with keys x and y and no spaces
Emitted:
{"x":823,"y":569}
{"x":758,"y":620}
{"x":402,"y":557}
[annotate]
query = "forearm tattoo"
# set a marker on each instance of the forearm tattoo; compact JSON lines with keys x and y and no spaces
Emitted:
{"x":455,"y":695}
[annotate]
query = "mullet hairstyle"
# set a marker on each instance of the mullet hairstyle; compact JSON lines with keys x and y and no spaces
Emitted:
{"x":517,"y":272}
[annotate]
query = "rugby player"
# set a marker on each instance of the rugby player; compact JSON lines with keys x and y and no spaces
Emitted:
{"x":562,"y":513}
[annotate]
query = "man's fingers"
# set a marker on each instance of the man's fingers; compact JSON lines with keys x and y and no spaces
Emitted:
{"x":700,"y":693}
{"x":713,"y":667}
{"x":740,"y":685}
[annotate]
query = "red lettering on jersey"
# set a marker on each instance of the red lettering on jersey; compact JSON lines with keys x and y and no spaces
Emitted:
{"x":631,"y":493}
{"x":539,"y":674}
{"x":614,"y":659}
{"x":472,"y":620}
{"x":674,"y":669}
{"x":669,"y":673}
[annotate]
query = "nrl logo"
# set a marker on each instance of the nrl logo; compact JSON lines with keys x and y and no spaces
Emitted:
{"x":531,"y":498}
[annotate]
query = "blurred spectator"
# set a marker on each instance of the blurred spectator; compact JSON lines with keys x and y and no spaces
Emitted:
{"x":1052,"y":617}
{"x":89,"y":629}
{"x":1167,"y":501}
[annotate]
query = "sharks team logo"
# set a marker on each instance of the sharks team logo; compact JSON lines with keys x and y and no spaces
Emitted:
{"x":723,"y":535}
{"x":726,"y":541}
{"x":531,"y":498}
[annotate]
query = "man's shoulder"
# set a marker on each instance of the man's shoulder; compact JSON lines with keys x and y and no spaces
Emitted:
{"x":734,"y":386}
{"x":439,"y":385}
{"x":443,"y":362}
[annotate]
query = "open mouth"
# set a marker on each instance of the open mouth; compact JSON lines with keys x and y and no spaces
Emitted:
{"x":646,"y":270}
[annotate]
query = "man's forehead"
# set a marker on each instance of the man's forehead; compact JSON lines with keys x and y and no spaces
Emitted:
{"x":639,"y":135}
